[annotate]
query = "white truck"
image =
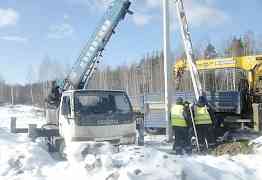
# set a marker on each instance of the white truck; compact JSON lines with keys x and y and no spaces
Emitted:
{"x":76,"y":114}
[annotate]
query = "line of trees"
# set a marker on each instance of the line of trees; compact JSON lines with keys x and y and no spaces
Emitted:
{"x":38,"y":83}
{"x":136,"y":78}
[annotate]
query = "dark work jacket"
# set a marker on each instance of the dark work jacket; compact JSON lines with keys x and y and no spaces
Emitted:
{"x":187,"y":116}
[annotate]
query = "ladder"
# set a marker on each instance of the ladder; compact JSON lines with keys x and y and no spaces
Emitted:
{"x":190,"y":59}
{"x":85,"y":66}
{"x":188,"y":49}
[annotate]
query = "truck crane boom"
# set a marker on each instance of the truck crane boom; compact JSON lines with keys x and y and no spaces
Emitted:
{"x":188,"y":49}
{"x":85,"y":65}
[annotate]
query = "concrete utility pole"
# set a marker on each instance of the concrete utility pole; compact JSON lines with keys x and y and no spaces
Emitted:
{"x":167,"y":66}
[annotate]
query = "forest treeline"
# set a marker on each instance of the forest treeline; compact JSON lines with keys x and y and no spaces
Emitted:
{"x":145,"y":76}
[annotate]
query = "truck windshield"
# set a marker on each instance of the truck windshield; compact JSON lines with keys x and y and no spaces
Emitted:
{"x":90,"y":104}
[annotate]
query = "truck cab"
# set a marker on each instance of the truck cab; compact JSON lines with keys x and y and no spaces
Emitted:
{"x":257,"y":82}
{"x":96,"y":115}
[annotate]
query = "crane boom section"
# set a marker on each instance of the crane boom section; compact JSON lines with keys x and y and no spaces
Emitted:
{"x":188,"y":48}
{"x":86,"y":63}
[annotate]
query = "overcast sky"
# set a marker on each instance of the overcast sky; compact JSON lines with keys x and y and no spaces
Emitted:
{"x":31,"y":29}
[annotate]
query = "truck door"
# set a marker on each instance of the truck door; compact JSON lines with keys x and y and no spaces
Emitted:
{"x":258,"y":84}
{"x":65,"y":120}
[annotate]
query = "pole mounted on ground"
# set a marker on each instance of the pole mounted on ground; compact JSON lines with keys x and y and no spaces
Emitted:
{"x":167,"y":66}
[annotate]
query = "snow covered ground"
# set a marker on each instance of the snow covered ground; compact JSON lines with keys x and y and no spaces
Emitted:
{"x":25,"y":115}
{"x":21,"y":159}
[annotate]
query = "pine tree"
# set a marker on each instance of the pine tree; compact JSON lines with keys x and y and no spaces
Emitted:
{"x":210,"y":52}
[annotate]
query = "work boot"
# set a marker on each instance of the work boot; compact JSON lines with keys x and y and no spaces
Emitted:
{"x":173,"y":147}
{"x":188,"y":151}
{"x":178,"y":151}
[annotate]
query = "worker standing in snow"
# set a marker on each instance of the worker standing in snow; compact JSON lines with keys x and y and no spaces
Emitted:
{"x":179,"y":117}
{"x":204,"y":119}
{"x":55,"y":95}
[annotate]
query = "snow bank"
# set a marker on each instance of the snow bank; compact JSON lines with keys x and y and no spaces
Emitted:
{"x":21,"y":159}
{"x":139,"y":163}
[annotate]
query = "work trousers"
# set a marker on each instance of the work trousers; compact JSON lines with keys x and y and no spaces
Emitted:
{"x":205,"y":134}
{"x":182,"y":141}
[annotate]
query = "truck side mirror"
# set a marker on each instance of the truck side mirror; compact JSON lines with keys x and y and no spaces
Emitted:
{"x":66,"y":110}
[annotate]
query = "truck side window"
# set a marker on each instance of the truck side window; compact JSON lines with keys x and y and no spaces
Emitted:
{"x":66,"y":108}
{"x":122,"y":104}
{"x":259,"y":84}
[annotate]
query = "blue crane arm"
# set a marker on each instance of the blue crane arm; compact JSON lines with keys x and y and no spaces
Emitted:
{"x":85,"y":65}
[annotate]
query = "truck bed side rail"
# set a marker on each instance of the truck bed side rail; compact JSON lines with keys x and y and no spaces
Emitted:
{"x":221,"y":101}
